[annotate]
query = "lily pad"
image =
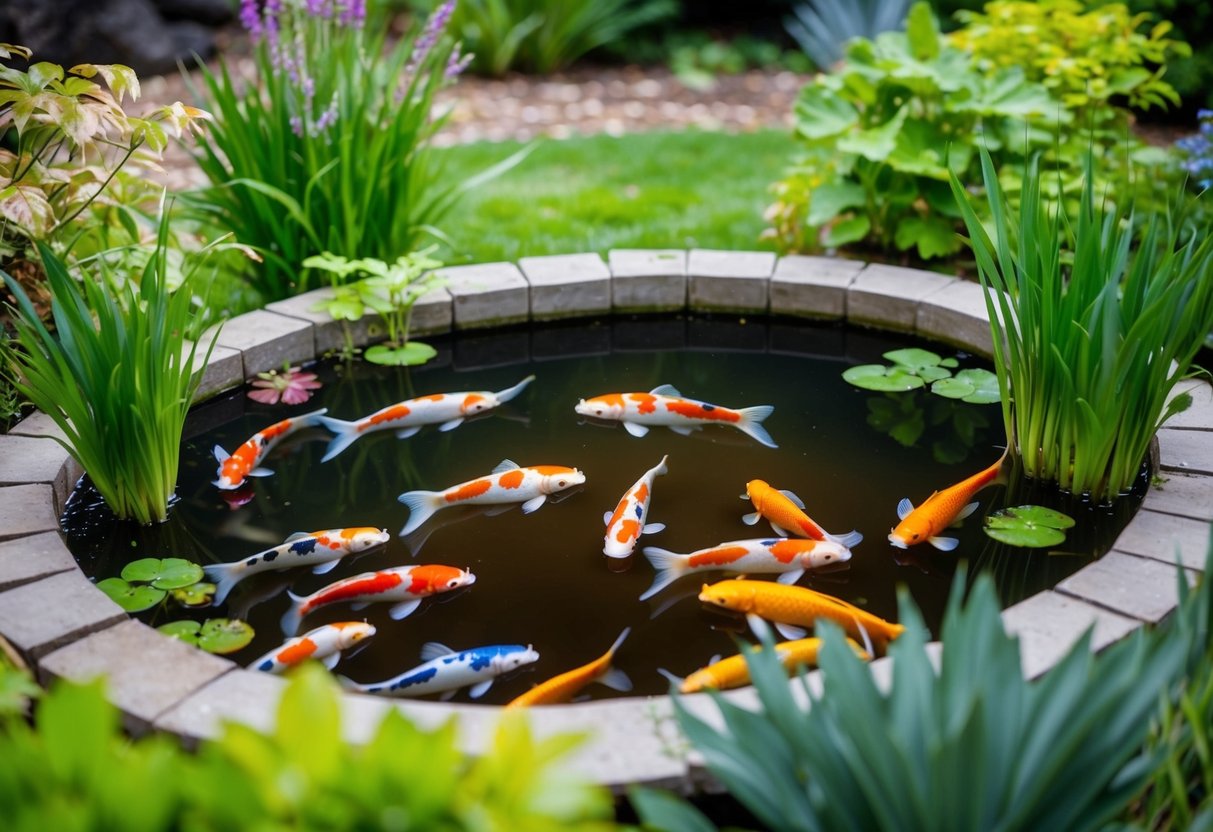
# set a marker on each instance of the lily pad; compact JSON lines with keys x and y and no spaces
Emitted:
{"x":881,"y":378}
{"x":1034,"y":527}
{"x":195,"y":595}
{"x":215,"y":635}
{"x":167,"y":573}
{"x":410,"y":355}
{"x":131,"y":598}
{"x":972,"y":386}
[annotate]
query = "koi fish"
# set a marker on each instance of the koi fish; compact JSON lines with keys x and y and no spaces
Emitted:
{"x":664,"y":406}
{"x":562,"y":688}
{"x":789,"y":557}
{"x":320,"y":550}
{"x":447,"y":410}
{"x":941,"y":510}
{"x":785,"y":512}
{"x":733,"y":672}
{"x":245,"y":461}
{"x":406,"y":585}
{"x":445,"y":671}
{"x":626,"y":524}
{"x":792,"y":608}
{"x":323,"y":643}
{"x":508,"y":483}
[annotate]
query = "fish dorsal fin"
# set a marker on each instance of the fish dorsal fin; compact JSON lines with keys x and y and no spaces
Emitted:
{"x":904,"y":508}
{"x":220,"y":454}
{"x":796,"y":501}
{"x":434,"y":650}
{"x":504,"y":465}
{"x":665,"y":390}
{"x":297,"y":536}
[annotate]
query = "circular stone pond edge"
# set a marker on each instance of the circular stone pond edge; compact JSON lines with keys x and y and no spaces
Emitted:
{"x":66,"y":628}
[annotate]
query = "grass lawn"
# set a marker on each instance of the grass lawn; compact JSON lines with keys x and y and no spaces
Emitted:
{"x":645,"y":190}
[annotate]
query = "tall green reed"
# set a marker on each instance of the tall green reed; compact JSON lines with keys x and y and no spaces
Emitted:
{"x":327,"y":147}
{"x":1089,"y":337}
{"x":117,"y":378}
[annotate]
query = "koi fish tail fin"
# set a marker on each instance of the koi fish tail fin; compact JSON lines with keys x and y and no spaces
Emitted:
{"x":310,"y":420}
{"x":346,"y":433}
{"x":509,"y":393}
{"x":422,"y":505}
{"x":661,"y":467}
{"x":850,"y":540}
{"x":293,"y":616}
{"x":224,"y":576}
{"x":751,"y":423}
{"x":670,"y":567}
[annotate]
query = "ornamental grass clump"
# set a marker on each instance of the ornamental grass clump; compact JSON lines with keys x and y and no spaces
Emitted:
{"x":1090,"y":337}
{"x":117,"y":377}
{"x":327,"y":147}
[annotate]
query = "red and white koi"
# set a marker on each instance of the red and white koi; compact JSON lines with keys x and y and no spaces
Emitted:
{"x":508,"y":483}
{"x":785,"y":512}
{"x":941,"y":510}
{"x":246,"y":460}
{"x":320,"y":550}
{"x":447,"y":410}
{"x":406,"y":585}
{"x":626,"y":524}
{"x":789,"y":557}
{"x":324,"y":644}
{"x":664,"y":406}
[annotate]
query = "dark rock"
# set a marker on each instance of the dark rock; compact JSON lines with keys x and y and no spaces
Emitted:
{"x":207,"y":12}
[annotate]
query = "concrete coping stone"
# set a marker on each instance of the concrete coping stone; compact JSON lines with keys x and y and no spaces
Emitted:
{"x":58,"y":619}
{"x":567,"y":285}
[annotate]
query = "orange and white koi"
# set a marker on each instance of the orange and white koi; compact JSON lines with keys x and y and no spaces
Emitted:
{"x":320,"y":550}
{"x":664,"y":406}
{"x":941,"y":510}
{"x":733,"y":672}
{"x":626,"y":524}
{"x":791,"y":608}
{"x":785,"y":512}
{"x":508,"y":483}
{"x":565,"y":686}
{"x":246,"y":460}
{"x":789,"y":557}
{"x":324,"y":644}
{"x":406,"y":585}
{"x":447,"y":410}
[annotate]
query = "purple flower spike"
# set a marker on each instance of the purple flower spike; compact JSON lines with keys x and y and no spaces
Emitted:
{"x":250,"y":18}
{"x":456,"y":64}
{"x":353,"y":13}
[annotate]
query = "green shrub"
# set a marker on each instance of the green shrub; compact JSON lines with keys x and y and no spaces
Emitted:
{"x":1189,"y":75}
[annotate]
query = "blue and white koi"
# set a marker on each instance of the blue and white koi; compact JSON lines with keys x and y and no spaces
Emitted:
{"x":246,"y":460}
{"x":789,"y":557}
{"x":445,"y":671}
{"x":320,"y":550}
{"x":508,"y":483}
{"x":626,"y":524}
{"x":447,"y":410}
{"x":664,"y":406}
{"x":323,"y":644}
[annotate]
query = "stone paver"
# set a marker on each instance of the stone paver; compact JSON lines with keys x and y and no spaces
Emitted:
{"x":37,"y":424}
{"x":223,"y":371}
{"x":432,"y":313}
{"x":44,"y":615}
{"x":1166,"y":537}
{"x":956,"y":315}
{"x":27,"y":509}
{"x":1199,"y":416}
{"x":729,"y":281}
{"x":267,"y":341}
{"x":245,"y":696}
{"x":25,"y":559}
{"x":1126,"y":584}
{"x":814,"y":287}
{"x":487,"y":294}
{"x":1189,"y":451}
{"x":648,"y":280}
{"x":26,"y":460}
{"x":145,"y":672}
{"x":1048,"y":624}
{"x":329,"y":333}
{"x":1184,"y":496}
{"x":888,"y":296}
{"x":567,"y":285}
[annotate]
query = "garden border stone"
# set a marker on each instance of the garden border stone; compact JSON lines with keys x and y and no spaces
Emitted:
{"x":69,"y":629}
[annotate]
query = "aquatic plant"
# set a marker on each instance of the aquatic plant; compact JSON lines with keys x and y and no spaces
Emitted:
{"x":290,"y":386}
{"x":1089,"y":340}
{"x":117,"y":380}
{"x":913,"y":368}
{"x":970,"y":746}
{"x":215,"y":635}
{"x":146,"y":582}
{"x":1035,"y":527}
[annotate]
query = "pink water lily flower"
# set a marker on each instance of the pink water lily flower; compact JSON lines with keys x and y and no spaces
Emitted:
{"x":290,"y":386}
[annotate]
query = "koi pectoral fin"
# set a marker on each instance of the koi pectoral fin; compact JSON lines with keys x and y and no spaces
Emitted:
{"x":751,"y":518}
{"x":964,"y":512}
{"x":451,"y":425}
{"x":904,"y":508}
{"x":326,"y":567}
{"x":331,"y":661}
{"x":653,"y":528}
{"x":480,"y":688}
{"x":534,"y":503}
{"x":404,"y":609}
{"x":260,"y":472}
{"x":789,"y":578}
{"x":635,"y":429}
{"x":684,"y":430}
{"x":616,"y":679}
{"x":944,"y":544}
{"x":405,"y":433}
{"x":790,"y":632}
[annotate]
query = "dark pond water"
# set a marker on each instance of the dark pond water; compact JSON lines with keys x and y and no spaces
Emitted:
{"x":851,"y":455}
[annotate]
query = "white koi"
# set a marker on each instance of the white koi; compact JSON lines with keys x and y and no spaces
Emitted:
{"x":323,"y":644}
{"x":626,"y":524}
{"x":789,"y":557}
{"x":664,"y":406}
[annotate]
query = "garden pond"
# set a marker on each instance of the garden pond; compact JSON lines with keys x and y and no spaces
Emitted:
{"x":541,"y":578}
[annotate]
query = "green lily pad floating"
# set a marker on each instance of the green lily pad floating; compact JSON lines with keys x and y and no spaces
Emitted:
{"x":1033,"y":527}
{"x":131,"y":598}
{"x":923,"y":363}
{"x":972,"y":386}
{"x":881,"y":378}
{"x":410,"y":355}
{"x":167,"y":573}
{"x":195,"y":595}
{"x":215,"y":635}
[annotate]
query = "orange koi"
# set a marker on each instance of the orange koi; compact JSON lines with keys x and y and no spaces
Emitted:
{"x":733,"y":672}
{"x":245,"y":461}
{"x":323,"y":644}
{"x":941,"y":510}
{"x":785,"y":512}
{"x":664,"y":406}
{"x":564,"y":687}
